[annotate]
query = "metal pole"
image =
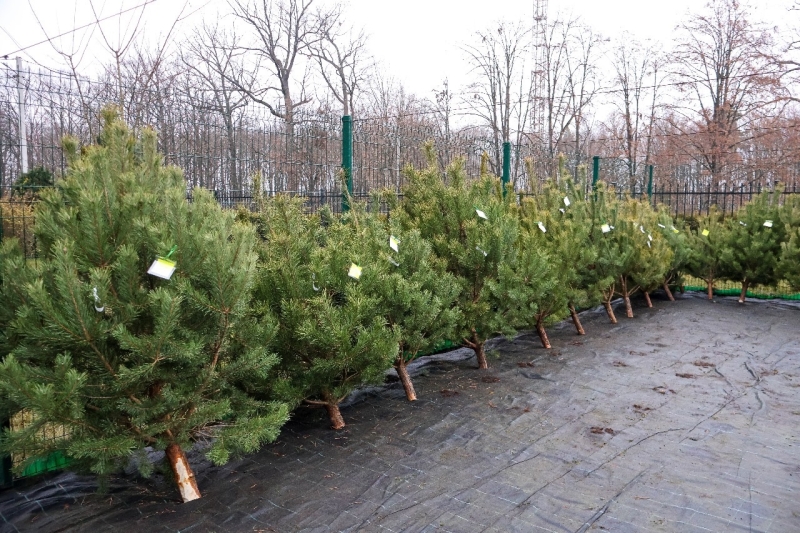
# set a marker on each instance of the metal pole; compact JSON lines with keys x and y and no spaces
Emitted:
{"x":650,"y":183}
{"x":506,"y":165}
{"x":347,"y":160}
{"x":595,"y":171}
{"x":23,"y":136}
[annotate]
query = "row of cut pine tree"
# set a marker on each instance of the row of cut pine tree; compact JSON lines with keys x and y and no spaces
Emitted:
{"x":270,"y":309}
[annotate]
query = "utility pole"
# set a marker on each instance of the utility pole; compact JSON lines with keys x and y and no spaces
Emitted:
{"x":539,"y":73}
{"x":23,"y":136}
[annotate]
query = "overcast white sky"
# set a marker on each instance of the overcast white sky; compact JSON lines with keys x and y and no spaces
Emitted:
{"x":417,"y":41}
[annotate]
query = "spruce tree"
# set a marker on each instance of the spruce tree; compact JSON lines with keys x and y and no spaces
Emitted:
{"x":704,"y":258}
{"x":473,"y":228}
{"x":319,"y":275}
{"x":120,"y":358}
{"x":750,"y":254}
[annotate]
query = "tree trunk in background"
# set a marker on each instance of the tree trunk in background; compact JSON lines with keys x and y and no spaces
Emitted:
{"x":669,"y":292}
{"x":576,"y":320}
{"x":647,"y":299}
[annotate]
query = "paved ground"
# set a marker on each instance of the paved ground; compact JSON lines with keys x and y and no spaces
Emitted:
{"x":685,"y":418}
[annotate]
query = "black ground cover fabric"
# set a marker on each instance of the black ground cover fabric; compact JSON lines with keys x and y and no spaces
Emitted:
{"x":685,"y":418}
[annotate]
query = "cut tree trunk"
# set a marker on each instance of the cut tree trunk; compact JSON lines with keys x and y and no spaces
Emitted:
{"x":184,"y":477}
{"x":477,"y":347}
{"x":405,"y":379}
{"x":742,"y":296}
{"x":610,"y":311}
{"x":647,"y":299}
{"x":542,"y":333}
{"x":710,"y":289}
{"x":337,"y":422}
{"x":669,"y":292}
{"x":627,"y":297}
{"x":576,"y":320}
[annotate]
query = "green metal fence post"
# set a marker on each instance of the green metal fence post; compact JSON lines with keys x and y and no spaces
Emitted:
{"x":595,"y":171}
{"x":347,"y":159}
{"x":506,"y":165}
{"x":650,"y":183}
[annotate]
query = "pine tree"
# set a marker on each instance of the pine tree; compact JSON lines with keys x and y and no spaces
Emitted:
{"x":418,"y":295}
{"x":789,"y":264}
{"x":320,"y":277}
{"x":611,"y":256}
{"x":750,"y":254}
{"x":552,"y":248}
{"x":704,"y":259}
{"x":680,"y":244}
{"x":472,"y":227}
{"x":123,"y":359}
{"x":654,"y":255}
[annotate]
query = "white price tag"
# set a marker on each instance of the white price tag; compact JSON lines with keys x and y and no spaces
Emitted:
{"x":768,"y":223}
{"x":566,"y":201}
{"x":481,"y":250}
{"x":162,"y":268}
{"x":355,"y":271}
{"x":393,"y":242}
{"x":541,"y":227}
{"x":605,"y":228}
{"x":97,"y":307}
{"x":481,"y":214}
{"x":662,"y":226}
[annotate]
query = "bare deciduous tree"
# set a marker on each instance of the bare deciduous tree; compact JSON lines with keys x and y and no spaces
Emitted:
{"x":726,"y":72}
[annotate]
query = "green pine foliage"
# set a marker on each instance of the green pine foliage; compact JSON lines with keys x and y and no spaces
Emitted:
{"x":704,"y":260}
{"x":333,"y":334}
{"x":612,"y":256}
{"x":680,"y":244}
{"x":122,"y":359}
{"x":551,"y":249}
{"x":751,"y":252}
{"x":418,"y":294}
{"x":446,"y":212}
{"x":789,"y":264}
{"x":654,"y":254}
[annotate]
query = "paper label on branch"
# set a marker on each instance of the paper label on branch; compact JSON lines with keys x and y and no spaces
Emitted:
{"x":648,"y":244}
{"x":541,"y":227}
{"x":662,"y":226}
{"x":649,"y":237}
{"x":481,"y":214}
{"x":355,"y":271}
{"x":705,"y":233}
{"x":393,"y":242}
{"x":641,"y":228}
{"x":566,"y":201}
{"x":562,"y":210}
{"x":605,"y":228}
{"x":314,"y":282}
{"x":481,"y":250}
{"x":162,"y":268}
{"x":742,"y":223}
{"x":768,"y":223}
{"x":97,"y":307}
{"x":675,"y":230}
{"x":612,"y":227}
{"x":395,"y":263}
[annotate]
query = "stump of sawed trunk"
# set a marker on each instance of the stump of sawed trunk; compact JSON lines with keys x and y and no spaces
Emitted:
{"x":478,"y":347}
{"x":576,"y":320}
{"x":184,"y":477}
{"x":743,"y":295}
{"x":542,"y":333}
{"x":669,"y":292}
{"x":405,"y":379}
{"x":647,"y":299}
{"x":610,"y":311}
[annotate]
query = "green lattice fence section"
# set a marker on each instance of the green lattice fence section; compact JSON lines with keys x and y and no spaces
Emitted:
{"x":731,"y":288}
